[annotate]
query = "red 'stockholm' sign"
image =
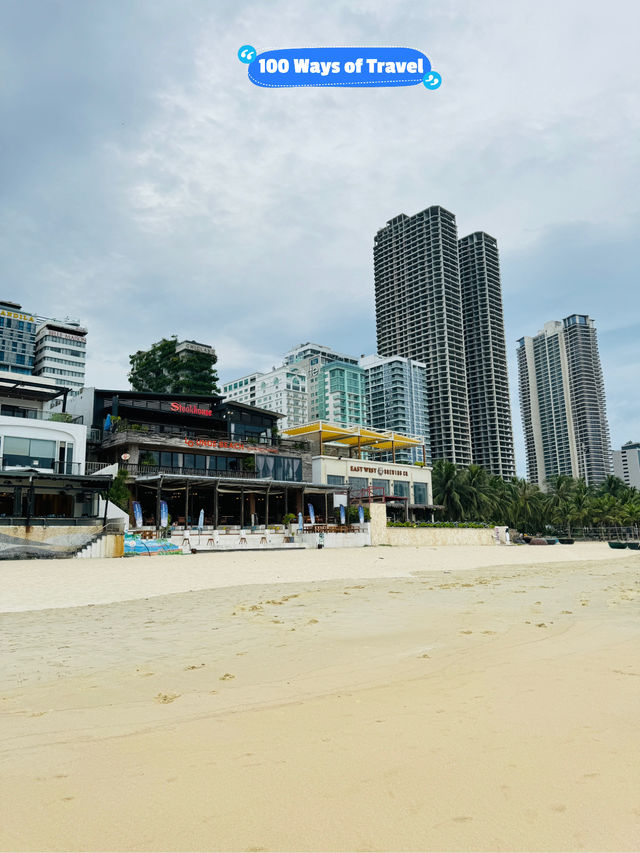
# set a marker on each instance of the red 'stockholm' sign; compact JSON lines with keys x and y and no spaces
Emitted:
{"x":190,"y":409}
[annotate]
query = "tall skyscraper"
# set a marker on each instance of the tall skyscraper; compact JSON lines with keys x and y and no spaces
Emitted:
{"x":397,"y":400}
{"x":562,"y":402}
{"x":419,"y":316}
{"x":486,"y":355}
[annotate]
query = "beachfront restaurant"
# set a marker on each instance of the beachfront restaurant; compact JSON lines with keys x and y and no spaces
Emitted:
{"x":349,"y":458}
{"x":205,"y":456}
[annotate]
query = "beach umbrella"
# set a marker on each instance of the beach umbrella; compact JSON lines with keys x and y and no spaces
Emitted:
{"x":342,"y":516}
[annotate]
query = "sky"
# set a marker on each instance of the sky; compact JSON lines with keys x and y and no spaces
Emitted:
{"x":149,"y":188}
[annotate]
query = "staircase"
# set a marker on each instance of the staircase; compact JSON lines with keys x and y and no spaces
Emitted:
{"x":99,"y":544}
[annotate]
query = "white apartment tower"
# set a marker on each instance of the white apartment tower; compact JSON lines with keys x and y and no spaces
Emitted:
{"x":626,"y":463}
{"x":396,"y":390}
{"x":61,"y":353}
{"x":563,"y":403}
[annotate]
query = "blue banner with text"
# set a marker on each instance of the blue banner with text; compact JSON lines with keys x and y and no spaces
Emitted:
{"x":336,"y":66}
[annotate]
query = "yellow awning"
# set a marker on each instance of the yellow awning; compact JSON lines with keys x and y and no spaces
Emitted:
{"x":355,"y":436}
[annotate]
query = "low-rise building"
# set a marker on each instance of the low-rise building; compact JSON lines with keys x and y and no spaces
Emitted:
{"x":626,"y":463}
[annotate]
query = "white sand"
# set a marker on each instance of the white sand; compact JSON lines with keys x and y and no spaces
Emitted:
{"x":40,"y":584}
{"x":376,"y":699}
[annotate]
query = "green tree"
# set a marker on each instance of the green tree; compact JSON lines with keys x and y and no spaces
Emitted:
{"x":449,"y":490}
{"x":119,"y":493}
{"x":161,"y":369}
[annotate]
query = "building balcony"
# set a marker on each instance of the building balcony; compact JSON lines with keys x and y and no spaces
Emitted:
{"x":202,"y":439}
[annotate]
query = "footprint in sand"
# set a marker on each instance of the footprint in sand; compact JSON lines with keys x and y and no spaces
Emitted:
{"x":466,"y":632}
{"x":194,"y":666}
{"x":312,"y":622}
{"x":166,"y":698}
{"x":567,"y":612}
{"x":395,"y":592}
{"x":226,"y":677}
{"x":424,"y":656}
{"x":540,"y":625}
{"x":488,"y":632}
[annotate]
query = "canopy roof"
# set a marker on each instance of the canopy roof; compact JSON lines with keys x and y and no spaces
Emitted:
{"x":354,"y":436}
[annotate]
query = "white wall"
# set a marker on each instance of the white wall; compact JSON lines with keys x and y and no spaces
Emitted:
{"x":48,"y":431}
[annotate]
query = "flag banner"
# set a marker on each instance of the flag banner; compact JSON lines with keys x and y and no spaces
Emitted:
{"x":342,"y":515}
{"x":164,"y":514}
{"x":361,"y":514}
{"x":312,"y":514}
{"x":137,"y":513}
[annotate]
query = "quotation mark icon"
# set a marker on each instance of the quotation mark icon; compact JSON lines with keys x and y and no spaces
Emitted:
{"x":432,"y":80}
{"x":247,"y":53}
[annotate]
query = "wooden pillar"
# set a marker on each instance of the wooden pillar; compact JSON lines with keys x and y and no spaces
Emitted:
{"x":393,"y":450}
{"x":266,"y":506}
{"x":215,"y":505}
{"x":326,"y":508}
{"x":300,"y":501}
{"x":241,"y":507}
{"x":252,"y":506}
{"x":359,"y":449}
{"x":158,"y":498}
{"x":186,"y":504}
{"x":286,"y":501}
{"x":424,"y":454}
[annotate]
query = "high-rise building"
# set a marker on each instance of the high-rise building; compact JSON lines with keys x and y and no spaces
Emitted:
{"x":297,"y":389}
{"x":397,"y":400}
{"x":486,"y":355}
{"x":419,"y":316}
{"x":17,"y":338}
{"x":626,"y":463}
{"x":61,"y":353}
{"x":341,"y":394}
{"x":562,"y":402}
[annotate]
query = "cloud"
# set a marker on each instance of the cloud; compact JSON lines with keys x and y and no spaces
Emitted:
{"x":150,"y":189}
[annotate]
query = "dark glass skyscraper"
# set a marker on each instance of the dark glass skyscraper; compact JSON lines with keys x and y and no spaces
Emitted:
{"x":419,"y":316}
{"x":486,"y":355}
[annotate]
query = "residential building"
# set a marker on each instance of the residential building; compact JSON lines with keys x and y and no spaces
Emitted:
{"x":563,"y":403}
{"x":486,"y":355}
{"x":341,"y":394}
{"x":282,"y":390}
{"x":17,"y":338}
{"x":419,"y":316}
{"x":61,"y":353}
{"x":297,"y":389}
{"x":626,"y":463}
{"x":397,"y":400}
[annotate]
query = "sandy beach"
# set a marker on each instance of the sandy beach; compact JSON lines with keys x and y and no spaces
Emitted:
{"x":461,"y":698}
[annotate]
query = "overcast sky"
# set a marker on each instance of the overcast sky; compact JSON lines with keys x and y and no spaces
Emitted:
{"x":149,"y":189}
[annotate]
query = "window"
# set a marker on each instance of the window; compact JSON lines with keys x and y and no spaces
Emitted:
{"x":420,"y":493}
{"x":28,"y":452}
{"x":358,"y":482}
{"x":335,"y":480}
{"x":381,"y":484}
{"x":169,"y":460}
{"x":401,"y":489}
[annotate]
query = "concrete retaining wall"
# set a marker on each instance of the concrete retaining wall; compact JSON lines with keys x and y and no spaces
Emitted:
{"x":20,"y":542}
{"x":417,"y":537}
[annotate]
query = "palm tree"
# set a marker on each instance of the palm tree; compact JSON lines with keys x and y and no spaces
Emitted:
{"x":448,"y":490}
{"x":475,"y":497}
{"x":526,"y":507}
{"x":558,"y":498}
